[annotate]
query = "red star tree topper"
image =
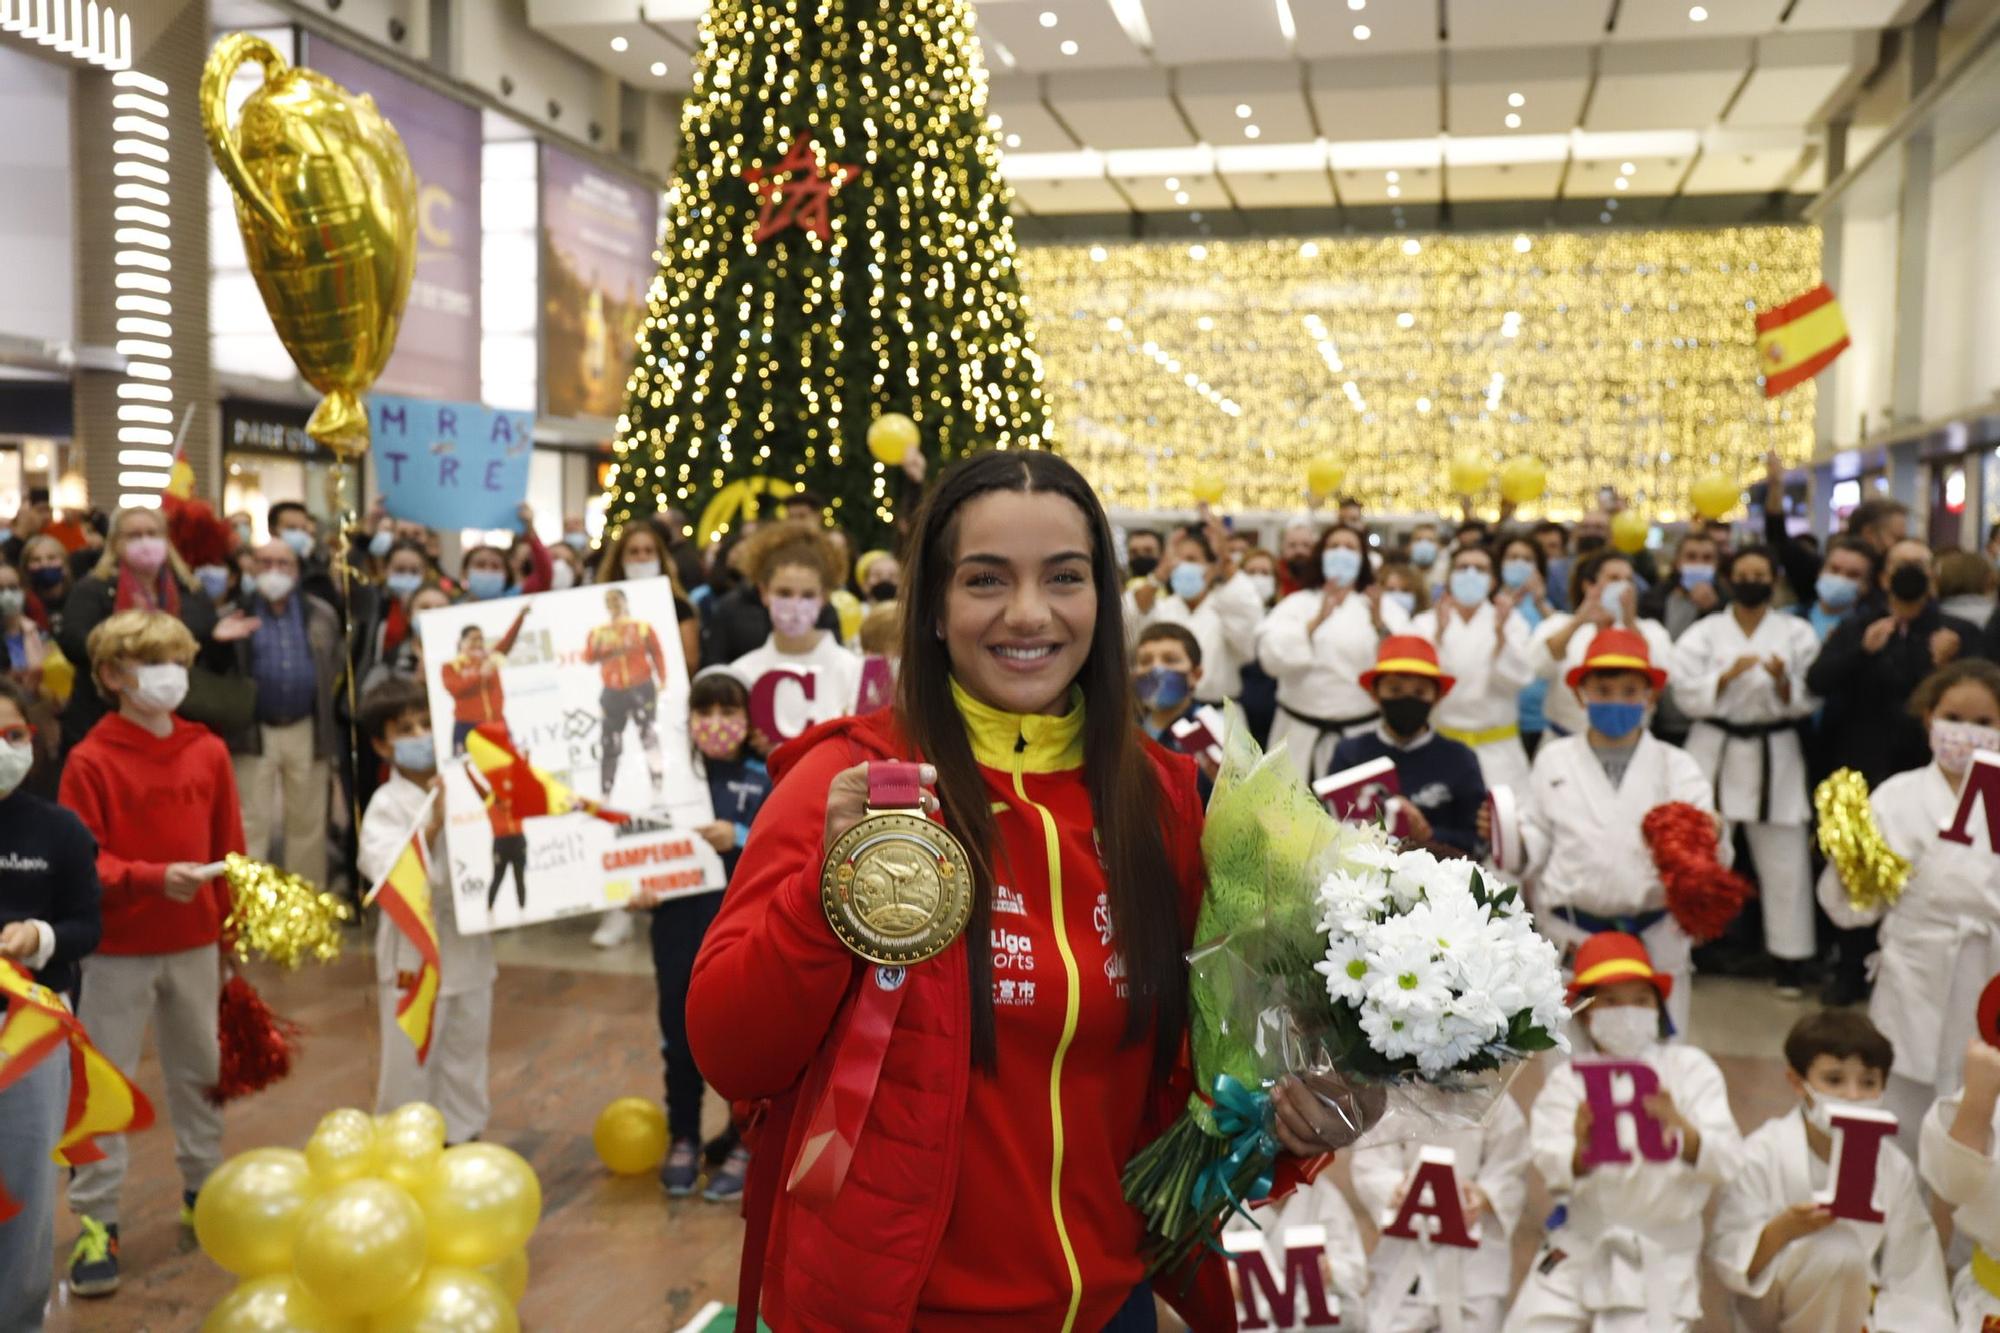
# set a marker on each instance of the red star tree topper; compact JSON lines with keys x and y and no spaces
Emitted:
{"x":793,"y":190}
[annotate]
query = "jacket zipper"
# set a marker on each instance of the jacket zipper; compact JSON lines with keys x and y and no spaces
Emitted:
{"x":1052,"y":849}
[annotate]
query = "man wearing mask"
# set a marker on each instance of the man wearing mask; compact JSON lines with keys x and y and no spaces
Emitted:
{"x":1692,"y":592}
{"x":1142,"y":552}
{"x":291,"y":524}
{"x":1881,"y":523}
{"x":1846,"y":580}
{"x":1424,"y":551}
{"x":1438,"y":777}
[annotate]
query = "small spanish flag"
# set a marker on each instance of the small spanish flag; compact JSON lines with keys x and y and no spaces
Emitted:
{"x":404,"y":895}
{"x":528,"y":791}
{"x":1799,"y":339}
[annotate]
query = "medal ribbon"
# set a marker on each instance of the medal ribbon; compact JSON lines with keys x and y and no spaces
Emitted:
{"x":1243,"y":1116}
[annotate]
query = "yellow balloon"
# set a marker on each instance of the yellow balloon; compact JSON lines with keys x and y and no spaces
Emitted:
{"x":327,"y":204}
{"x":891,"y":438}
{"x":343,"y":1148}
{"x":510,"y":1275}
{"x":360,"y":1248}
{"x":408,"y":1151}
{"x":482,"y":1203}
{"x":1324,"y":475}
{"x":1629,"y":530}
{"x":246,"y":1214}
{"x":273,"y":1304}
{"x":1714,"y":495}
{"x":421,"y":1117}
{"x":1207,"y":488}
{"x":1522,"y":480}
{"x":1469,"y":473}
{"x":450,"y":1300}
{"x":348,"y":1118}
{"x":631,"y":1136}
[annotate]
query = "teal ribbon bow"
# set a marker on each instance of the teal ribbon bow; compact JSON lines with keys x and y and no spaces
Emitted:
{"x":1244,"y":1117}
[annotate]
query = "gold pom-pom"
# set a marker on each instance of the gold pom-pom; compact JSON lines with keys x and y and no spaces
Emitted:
{"x":282,"y":916}
{"x":1873,"y":873}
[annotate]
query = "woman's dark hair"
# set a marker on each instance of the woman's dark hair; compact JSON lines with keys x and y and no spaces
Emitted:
{"x":1125,"y":794}
{"x":1760,"y":551}
{"x":1936,"y":685}
{"x":1587,"y":569}
{"x":1316,"y":576}
{"x":715,"y":689}
{"x":1199,"y":538}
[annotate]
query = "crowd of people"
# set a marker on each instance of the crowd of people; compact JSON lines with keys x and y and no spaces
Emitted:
{"x":177,"y":690}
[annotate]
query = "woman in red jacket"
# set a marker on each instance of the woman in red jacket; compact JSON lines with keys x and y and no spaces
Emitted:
{"x":942,"y":1144}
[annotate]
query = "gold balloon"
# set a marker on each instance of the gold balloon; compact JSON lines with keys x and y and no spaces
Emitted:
{"x":343,"y":1148}
{"x":327,"y":204}
{"x":1207,"y":488}
{"x":1324,"y":475}
{"x":631,"y":1136}
{"x":1469,"y":473}
{"x":418,"y":1116}
{"x":482,"y":1203}
{"x":408,"y":1152}
{"x":1522,"y":480}
{"x":1714,"y":495}
{"x":510,"y":1275}
{"x":450,"y":1300}
{"x":360,"y":1248}
{"x":891,"y":438}
{"x":273,"y":1304}
{"x":1629,"y":529}
{"x":247,"y":1212}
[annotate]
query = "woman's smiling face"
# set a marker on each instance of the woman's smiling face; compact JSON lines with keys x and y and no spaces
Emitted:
{"x":1020,"y":606}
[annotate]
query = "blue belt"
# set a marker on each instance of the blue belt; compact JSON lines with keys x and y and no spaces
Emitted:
{"x":1638,"y":923}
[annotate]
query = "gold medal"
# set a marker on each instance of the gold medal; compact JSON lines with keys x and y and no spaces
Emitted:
{"x":897,"y":888}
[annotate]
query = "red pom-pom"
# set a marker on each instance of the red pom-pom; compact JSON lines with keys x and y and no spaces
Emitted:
{"x":1703,"y":895}
{"x":198,"y":535}
{"x":257,"y":1044}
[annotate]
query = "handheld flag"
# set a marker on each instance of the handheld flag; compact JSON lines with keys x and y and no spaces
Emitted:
{"x":1799,"y":339}
{"x":503,"y":773}
{"x":404,"y":895}
{"x":180,"y":477}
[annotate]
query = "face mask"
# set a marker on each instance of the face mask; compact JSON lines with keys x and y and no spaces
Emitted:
{"x":1693,"y":574}
{"x":298,"y":539}
{"x":1142,"y":565}
{"x":403,"y":583}
{"x":1628,"y":1030}
{"x":415,"y":754}
{"x":1265,"y":584}
{"x":1423,"y":552}
{"x":1161,"y":688}
{"x":1188,"y":581}
{"x":1752,"y":595}
{"x":242,"y":533}
{"x":1589,"y":544}
{"x":160,"y":685}
{"x":1824,"y":1106}
{"x":642,"y":569}
{"x":46,"y":579}
{"x":561,"y":575}
{"x":1470,"y":586}
{"x":1909,"y":583}
{"x":576,"y":541}
{"x":146,"y":554}
{"x":485,"y":583}
{"x":1611,"y":595}
{"x":885,"y":591}
{"x":1952,"y":743}
{"x":718,"y":735}
{"x":1406,"y":716}
{"x":275,"y":585}
{"x":15,"y":761}
{"x":1837,"y":591}
{"x":1615,"y":721}
{"x":379,"y":544}
{"x":1399,"y":597}
{"x":1340,"y":566}
{"x":795,"y":616}
{"x":1516,"y":573}
{"x":12,"y":601}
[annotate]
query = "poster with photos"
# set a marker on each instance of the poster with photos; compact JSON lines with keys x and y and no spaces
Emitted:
{"x":561,"y":726}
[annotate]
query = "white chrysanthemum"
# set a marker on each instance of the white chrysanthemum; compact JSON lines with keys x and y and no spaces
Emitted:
{"x":1448,"y":1042}
{"x":1406,"y":978}
{"x":1410,"y":876}
{"x":1392,"y":1035}
{"x":1345,"y":968}
{"x":1351,"y":902}
{"x":1362,"y":849}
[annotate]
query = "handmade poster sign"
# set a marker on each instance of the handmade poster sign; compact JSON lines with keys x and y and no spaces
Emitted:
{"x":1295,"y":1298}
{"x":1976,"y":822}
{"x":1617,"y":1091}
{"x":450,"y":465}
{"x":1858,"y":1135}
{"x":561,"y":728}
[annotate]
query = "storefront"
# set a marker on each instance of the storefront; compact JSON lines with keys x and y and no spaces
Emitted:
{"x":268,"y":457}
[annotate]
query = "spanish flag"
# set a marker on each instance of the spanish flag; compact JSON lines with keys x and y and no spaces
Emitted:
{"x":101,"y":1099}
{"x":404,"y":895}
{"x":1799,"y":339}
{"x":529,"y":791}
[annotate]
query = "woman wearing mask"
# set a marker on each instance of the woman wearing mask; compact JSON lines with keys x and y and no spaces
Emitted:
{"x":1604,"y":595}
{"x":879,"y":577}
{"x":1524,"y":579}
{"x":1403,"y":587}
{"x":26,"y":648}
{"x":1693,"y":592}
{"x":1317,"y":642}
{"x":566,"y":569}
{"x":1020,"y":1084}
{"x":638,"y":553}
{"x":793,"y":566}
{"x":405,"y":569}
{"x":45,"y":572}
{"x":1219,"y":607}
{"x":1482,"y":643}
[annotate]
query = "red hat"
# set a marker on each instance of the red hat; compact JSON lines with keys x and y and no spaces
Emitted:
{"x":1612,"y":956}
{"x":1407,"y":655}
{"x":1617,"y":649}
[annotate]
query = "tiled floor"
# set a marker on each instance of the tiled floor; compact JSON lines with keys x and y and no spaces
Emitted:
{"x":574,"y":1028}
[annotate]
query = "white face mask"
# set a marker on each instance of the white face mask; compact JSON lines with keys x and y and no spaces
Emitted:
{"x":561,"y":576}
{"x":15,"y":761}
{"x":159,"y":685}
{"x":1265,"y":584}
{"x":1824,"y":1106}
{"x":1628,"y":1030}
{"x":642,"y":569}
{"x":275,"y":585}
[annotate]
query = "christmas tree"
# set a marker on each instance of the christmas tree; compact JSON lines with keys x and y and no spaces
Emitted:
{"x":836,"y":246}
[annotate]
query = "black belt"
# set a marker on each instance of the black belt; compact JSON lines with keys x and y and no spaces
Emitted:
{"x":1336,"y":726}
{"x":1637,"y":923}
{"x":1751,"y":731}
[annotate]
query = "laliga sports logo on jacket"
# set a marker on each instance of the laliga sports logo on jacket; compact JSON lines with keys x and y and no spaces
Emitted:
{"x":1100,"y":917}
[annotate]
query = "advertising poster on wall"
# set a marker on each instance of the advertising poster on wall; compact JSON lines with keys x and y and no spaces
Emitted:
{"x":598,"y":234}
{"x":561,"y":729}
{"x":437,"y":350}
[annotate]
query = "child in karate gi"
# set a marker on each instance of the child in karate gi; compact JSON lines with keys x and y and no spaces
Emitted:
{"x":1956,"y":1160}
{"x":1623,"y":1254}
{"x":1793,"y":1266}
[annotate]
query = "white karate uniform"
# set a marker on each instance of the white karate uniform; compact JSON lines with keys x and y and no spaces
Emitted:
{"x":1939,"y":944}
{"x":1488,"y":660}
{"x":1320,"y":675}
{"x":453,"y":1078}
{"x":1886,"y":1277}
{"x":1224,"y":624}
{"x":836,"y":682}
{"x":1493,"y":1156}
{"x":1628,"y":1257}
{"x":1583,"y":846}
{"x":1760,"y":781}
{"x":1969,"y":1182}
{"x":1561,"y":708}
{"x":1319,"y":1204}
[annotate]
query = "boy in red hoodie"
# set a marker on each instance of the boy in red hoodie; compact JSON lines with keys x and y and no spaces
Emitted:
{"x":159,"y":795}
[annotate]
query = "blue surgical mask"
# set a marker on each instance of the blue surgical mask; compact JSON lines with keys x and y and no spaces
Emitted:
{"x":576,"y":541}
{"x":403,"y":583}
{"x":379,"y":544}
{"x":1837,"y":591}
{"x":1423,"y":552}
{"x":415,"y":754}
{"x":1616,"y":721}
{"x":214,"y":580}
{"x":1516,"y":573}
{"x":1160,"y":688}
{"x":485,"y":583}
{"x":1188,"y":581}
{"x":1693,"y":574}
{"x":1400,"y":597}
{"x":1340,"y":565}
{"x":1470,"y":585}
{"x":298,"y":539}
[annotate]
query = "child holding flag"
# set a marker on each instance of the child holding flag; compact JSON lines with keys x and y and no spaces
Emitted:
{"x":435,"y":985}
